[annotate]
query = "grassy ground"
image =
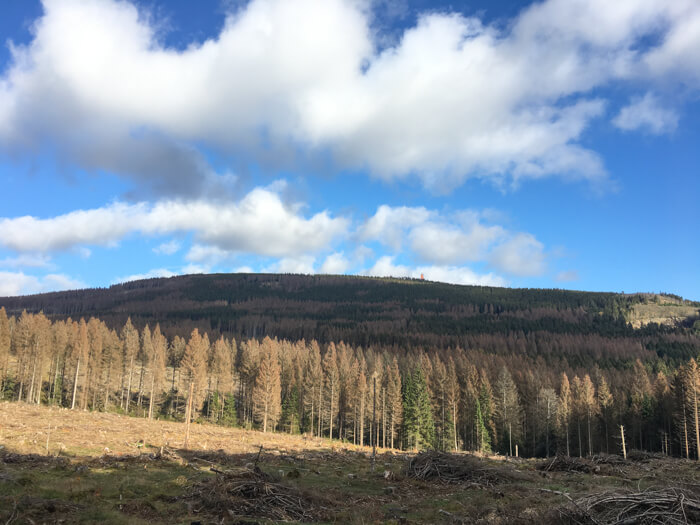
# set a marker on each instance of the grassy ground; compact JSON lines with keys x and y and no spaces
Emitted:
{"x":62,"y":466}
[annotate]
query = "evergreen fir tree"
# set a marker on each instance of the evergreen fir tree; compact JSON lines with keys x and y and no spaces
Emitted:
{"x":419,"y":426}
{"x":290,"y":411}
{"x":482,"y":435}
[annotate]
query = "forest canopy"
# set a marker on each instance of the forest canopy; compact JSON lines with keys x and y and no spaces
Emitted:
{"x":398,"y":363}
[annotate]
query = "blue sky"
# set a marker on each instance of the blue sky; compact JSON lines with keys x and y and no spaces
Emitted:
{"x":551,"y":144}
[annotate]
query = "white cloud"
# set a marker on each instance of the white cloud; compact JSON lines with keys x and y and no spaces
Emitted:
{"x":158,"y":272}
{"x":19,"y":283}
{"x":168,"y":248}
{"x":260,"y":223}
{"x":447,"y":239}
{"x":335,"y":264}
{"x":385,"y":267}
{"x":521,"y":255}
{"x":648,"y":114}
{"x":389,"y":224}
{"x":445,"y":243}
{"x":567,"y":276}
{"x":677,"y":57}
{"x":286,"y":75}
{"x":200,"y":253}
{"x":303,"y":264}
{"x":195,"y":268}
{"x":27,"y":260}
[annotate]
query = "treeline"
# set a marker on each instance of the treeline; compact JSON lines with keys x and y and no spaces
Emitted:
{"x":451,"y":399}
{"x":585,"y":328}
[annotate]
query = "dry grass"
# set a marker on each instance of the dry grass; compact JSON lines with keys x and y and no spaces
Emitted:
{"x":108,"y":468}
{"x":25,"y":428}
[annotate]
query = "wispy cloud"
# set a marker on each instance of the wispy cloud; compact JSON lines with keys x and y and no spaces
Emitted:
{"x":567,"y":276}
{"x":158,"y":272}
{"x":168,"y":248}
{"x":20,"y":283}
{"x":647,"y":114}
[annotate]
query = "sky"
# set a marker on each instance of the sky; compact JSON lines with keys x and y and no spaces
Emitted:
{"x":551,"y":144}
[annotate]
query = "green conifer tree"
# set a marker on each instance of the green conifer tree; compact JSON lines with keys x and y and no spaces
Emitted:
{"x":482,"y":433}
{"x":419,"y":426}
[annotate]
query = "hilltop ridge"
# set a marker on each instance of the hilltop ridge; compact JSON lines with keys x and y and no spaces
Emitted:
{"x":358,"y":310}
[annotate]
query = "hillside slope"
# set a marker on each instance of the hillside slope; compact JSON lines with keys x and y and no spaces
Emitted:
{"x":359,"y":310}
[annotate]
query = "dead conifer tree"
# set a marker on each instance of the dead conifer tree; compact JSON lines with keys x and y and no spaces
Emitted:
{"x":157,"y":364}
{"x":267,"y":401}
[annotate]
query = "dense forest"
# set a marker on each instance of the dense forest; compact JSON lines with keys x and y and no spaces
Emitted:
{"x":584,"y":328}
{"x":397,"y":364}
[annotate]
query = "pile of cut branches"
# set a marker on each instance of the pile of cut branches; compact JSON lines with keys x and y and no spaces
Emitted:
{"x":254,"y":494}
{"x":643,"y":455}
{"x":458,"y":468}
{"x":607,"y":459}
{"x":668,"y":505}
{"x":568,"y":464}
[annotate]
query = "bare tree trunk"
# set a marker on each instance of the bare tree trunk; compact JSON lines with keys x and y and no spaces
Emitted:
{"x":209,"y":398}
{"x":94,"y":396}
{"x":55,"y":381}
{"x":697,"y":426}
{"x":685,"y":429}
{"x":442,"y":425}
{"x":392,"y":429}
{"x":107,"y":382}
{"x":172,"y":391}
{"x":454,"y":421}
{"x":312,"y":412}
{"x":354,"y":425}
{"x":128,"y":388}
{"x":580,"y":446}
{"x":86,"y":386}
{"x":547,"y":429}
{"x":30,"y":393}
{"x":121,"y":389}
{"x":374,"y":423}
{"x":75,"y":384}
{"x":330,"y":415}
{"x":63,"y":377}
{"x":383,"y":418}
{"x":188,"y":415}
{"x":510,"y":438}
{"x":223,"y":403}
{"x":362,"y":421}
{"x":177,"y":395}
{"x":48,"y":379}
{"x":150,"y":400}
{"x":320,"y":407}
{"x":140,"y":398}
{"x":265,"y":418}
{"x":20,"y":372}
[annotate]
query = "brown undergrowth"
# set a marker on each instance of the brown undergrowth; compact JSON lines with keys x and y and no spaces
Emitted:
{"x":62,"y":466}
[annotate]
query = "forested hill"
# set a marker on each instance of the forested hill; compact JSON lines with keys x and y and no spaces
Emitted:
{"x":400,"y":313}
